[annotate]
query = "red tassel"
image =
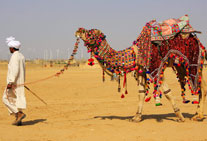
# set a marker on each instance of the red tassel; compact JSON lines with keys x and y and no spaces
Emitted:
{"x":147,"y":99}
{"x":125,"y":82}
{"x":91,"y":60}
{"x":124,"y":79}
{"x":122,"y":96}
{"x":195,"y":102}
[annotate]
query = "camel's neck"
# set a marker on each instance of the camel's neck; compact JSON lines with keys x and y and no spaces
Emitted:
{"x":114,"y":60}
{"x":104,"y":51}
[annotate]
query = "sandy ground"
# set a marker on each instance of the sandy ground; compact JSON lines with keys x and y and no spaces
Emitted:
{"x":83,"y":108}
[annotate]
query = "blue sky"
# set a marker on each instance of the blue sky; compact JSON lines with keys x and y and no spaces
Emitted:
{"x":48,"y":26}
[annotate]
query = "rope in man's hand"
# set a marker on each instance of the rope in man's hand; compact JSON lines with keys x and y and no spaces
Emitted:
{"x":12,"y":86}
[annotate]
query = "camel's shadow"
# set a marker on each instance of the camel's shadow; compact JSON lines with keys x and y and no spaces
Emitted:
{"x":157,"y":117}
{"x":32,"y":122}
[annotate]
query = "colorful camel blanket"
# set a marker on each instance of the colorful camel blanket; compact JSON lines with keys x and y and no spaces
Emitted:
{"x":168,"y":28}
{"x":152,"y":55}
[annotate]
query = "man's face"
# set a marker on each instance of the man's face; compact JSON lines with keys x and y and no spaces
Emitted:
{"x":11,"y":50}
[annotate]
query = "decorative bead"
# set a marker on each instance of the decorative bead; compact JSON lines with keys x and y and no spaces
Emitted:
{"x":140,"y":71}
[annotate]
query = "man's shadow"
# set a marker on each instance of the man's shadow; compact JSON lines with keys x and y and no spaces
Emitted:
{"x":32,"y":122}
{"x":157,"y":117}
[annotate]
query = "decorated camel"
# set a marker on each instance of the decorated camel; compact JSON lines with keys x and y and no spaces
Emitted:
{"x":172,"y":43}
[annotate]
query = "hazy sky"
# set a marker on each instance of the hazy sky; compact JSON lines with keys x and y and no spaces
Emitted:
{"x":48,"y":26}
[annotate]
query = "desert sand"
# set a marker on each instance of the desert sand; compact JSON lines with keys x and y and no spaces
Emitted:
{"x":80,"y":107}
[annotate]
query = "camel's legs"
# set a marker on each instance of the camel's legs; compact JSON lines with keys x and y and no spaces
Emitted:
{"x":169,"y":96}
{"x":141,"y":97}
{"x":181,"y":76}
{"x":202,"y":97}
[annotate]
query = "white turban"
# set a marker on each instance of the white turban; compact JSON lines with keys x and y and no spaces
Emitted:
{"x":11,"y":42}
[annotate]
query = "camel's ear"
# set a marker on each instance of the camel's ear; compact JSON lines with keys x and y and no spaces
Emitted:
{"x":80,"y":32}
{"x":98,"y":32}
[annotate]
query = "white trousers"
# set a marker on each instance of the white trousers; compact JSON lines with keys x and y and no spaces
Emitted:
{"x":9,"y":99}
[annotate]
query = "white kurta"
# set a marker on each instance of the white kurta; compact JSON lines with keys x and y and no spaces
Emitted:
{"x":14,"y":99}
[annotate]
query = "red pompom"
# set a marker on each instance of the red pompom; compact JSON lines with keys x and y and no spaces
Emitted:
{"x":147,"y":99}
{"x":89,"y":50}
{"x":91,"y":63}
{"x":91,"y":60}
{"x":195,"y":102}
{"x":122,"y":96}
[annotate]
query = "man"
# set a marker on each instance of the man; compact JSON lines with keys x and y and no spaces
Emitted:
{"x":14,"y":96}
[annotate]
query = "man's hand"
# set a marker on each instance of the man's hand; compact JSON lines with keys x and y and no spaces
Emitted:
{"x":9,"y":86}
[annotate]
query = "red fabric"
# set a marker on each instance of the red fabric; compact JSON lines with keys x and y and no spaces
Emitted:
{"x":188,"y":47}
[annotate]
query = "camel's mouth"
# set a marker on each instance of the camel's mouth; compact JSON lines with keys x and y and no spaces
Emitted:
{"x":77,"y":35}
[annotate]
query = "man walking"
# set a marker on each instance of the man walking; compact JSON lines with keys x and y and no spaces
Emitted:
{"x":14,"y":96}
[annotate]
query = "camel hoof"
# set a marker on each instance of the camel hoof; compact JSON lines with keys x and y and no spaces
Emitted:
{"x":136,"y":118}
{"x":180,"y":117}
{"x":198,"y":117}
{"x":180,"y":120}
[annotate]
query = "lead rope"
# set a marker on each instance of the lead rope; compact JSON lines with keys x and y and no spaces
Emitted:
{"x":59,"y":72}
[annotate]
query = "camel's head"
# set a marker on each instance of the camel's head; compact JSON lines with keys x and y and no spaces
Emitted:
{"x":92,"y":38}
{"x":81,"y":33}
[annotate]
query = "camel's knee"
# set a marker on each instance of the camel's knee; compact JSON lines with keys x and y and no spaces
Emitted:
{"x":167,"y":94}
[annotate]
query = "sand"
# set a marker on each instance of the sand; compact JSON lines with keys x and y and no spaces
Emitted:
{"x":83,"y":108}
